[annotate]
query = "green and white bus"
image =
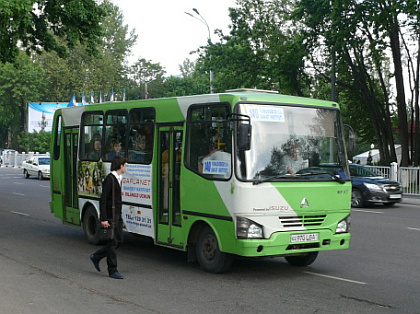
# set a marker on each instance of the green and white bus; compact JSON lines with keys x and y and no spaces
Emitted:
{"x":242,"y":173}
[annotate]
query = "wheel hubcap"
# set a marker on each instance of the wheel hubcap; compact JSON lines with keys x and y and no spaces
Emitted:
{"x":209,"y":248}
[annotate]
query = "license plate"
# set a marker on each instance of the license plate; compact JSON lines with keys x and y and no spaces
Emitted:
{"x":395,"y":196}
{"x":305,"y":237}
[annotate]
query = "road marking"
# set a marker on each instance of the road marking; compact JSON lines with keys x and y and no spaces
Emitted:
{"x":336,"y":278}
{"x":45,"y":186}
{"x":367,"y":211}
{"x":17,"y":182}
{"x":415,"y":229}
{"x":20,"y":214}
{"x":20,"y":194}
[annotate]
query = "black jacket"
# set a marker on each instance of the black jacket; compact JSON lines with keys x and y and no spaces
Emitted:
{"x":105,"y":204}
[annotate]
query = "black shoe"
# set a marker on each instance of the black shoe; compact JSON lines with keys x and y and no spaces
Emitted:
{"x":116,"y":275}
{"x":95,"y":262}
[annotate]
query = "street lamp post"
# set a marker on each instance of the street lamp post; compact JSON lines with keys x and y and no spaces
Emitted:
{"x":203,"y":20}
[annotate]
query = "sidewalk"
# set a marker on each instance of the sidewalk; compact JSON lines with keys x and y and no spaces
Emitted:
{"x":411,"y":199}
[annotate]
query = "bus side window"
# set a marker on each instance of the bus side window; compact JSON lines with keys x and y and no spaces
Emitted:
{"x":141,"y":137}
{"x":209,"y":145}
{"x":115,"y":133}
{"x":91,"y":139}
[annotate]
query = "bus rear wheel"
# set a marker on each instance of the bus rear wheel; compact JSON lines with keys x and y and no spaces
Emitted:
{"x":208,"y":254}
{"x":91,"y":226}
{"x":302,"y":260}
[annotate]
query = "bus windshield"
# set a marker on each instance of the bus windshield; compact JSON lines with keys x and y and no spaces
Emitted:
{"x":292,"y":143}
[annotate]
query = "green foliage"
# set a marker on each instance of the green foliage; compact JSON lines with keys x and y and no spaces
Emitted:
{"x":357,"y":35}
{"x":264,"y":50}
{"x":20,"y":82}
{"x":192,"y":82}
{"x":35,"y":142}
{"x":83,"y":73}
{"x":36,"y":26}
{"x":148,"y":78}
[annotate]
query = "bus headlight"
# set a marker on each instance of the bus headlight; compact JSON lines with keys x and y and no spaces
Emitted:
{"x":248,"y":229}
{"x":343,"y":226}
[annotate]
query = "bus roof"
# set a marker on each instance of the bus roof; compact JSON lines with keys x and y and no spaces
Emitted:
{"x":175,"y":108}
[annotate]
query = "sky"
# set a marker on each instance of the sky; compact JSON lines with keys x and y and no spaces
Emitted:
{"x":166,"y":35}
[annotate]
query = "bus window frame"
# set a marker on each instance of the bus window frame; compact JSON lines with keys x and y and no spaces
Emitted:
{"x":57,"y":136}
{"x":130,"y":127}
{"x":124,"y":136}
{"x":189,"y":122}
{"x":82,"y":134}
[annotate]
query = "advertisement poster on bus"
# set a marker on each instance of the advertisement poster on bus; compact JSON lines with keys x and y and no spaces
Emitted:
{"x":91,"y":175}
{"x":137,"y":199}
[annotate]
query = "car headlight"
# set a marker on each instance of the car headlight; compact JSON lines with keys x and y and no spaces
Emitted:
{"x":372,"y":186}
{"x":248,"y":229}
{"x":344,"y":225}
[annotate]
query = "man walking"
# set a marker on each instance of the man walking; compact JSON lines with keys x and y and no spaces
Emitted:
{"x":111,"y":188}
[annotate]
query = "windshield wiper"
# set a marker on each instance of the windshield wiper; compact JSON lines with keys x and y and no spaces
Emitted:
{"x":297,"y":175}
{"x":269,"y":179}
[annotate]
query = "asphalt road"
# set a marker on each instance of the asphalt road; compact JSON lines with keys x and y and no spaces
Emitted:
{"x":44,"y":268}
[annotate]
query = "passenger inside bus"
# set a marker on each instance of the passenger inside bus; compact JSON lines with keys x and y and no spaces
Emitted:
{"x":140,"y":153}
{"x":95,"y":153}
{"x":116,"y":149}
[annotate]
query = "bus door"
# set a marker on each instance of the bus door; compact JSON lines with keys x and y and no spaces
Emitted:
{"x":71,"y":212}
{"x":169,"y":170}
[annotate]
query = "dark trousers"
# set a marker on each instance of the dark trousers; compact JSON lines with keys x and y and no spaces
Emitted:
{"x":109,"y":249}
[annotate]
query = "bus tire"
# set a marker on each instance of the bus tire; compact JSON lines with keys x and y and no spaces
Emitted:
{"x":208,"y":254}
{"x":302,"y":260}
{"x":91,"y":226}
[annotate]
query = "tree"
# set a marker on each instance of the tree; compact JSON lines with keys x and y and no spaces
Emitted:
{"x":83,"y":73}
{"x":148,"y":77}
{"x":351,"y":33}
{"x":36,"y":25}
{"x":191,"y":82}
{"x":385,"y":20}
{"x":35,"y":142}
{"x":263,"y":50}
{"x":20,"y":82}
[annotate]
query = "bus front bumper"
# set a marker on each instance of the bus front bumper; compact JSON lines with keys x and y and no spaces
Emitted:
{"x":293,"y":242}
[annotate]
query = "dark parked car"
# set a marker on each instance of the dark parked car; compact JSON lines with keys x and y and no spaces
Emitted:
{"x":369,"y":188}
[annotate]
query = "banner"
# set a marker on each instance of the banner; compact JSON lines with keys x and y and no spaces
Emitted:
{"x":40,"y":115}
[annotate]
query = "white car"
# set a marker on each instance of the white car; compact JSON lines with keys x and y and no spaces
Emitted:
{"x":37,"y":166}
{"x":5,"y":156}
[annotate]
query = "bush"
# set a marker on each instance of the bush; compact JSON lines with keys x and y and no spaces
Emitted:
{"x":35,"y":142}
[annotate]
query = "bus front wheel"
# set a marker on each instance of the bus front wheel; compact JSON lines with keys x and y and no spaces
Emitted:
{"x":91,"y":225}
{"x":208,"y":254}
{"x":302,"y":260}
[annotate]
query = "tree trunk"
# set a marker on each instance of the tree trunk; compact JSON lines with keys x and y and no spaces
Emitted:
{"x":401,"y":105}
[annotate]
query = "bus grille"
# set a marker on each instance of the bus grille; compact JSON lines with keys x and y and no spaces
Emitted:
{"x":302,"y":221}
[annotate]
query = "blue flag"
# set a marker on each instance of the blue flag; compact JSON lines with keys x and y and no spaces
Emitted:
{"x":72,"y":101}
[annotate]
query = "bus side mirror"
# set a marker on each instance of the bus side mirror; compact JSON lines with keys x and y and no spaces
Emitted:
{"x":244,"y":136}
